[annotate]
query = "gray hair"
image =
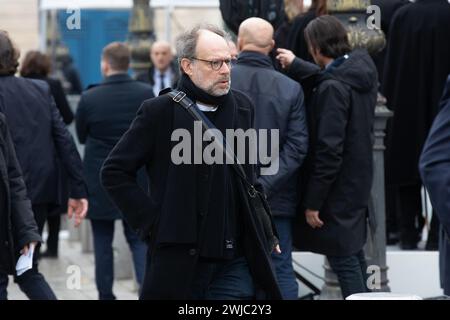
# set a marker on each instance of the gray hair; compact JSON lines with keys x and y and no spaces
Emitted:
{"x":186,"y":42}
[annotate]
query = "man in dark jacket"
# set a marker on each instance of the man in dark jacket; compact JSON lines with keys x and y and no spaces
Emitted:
{"x":202,"y":244}
{"x":18,"y":229}
{"x":40,"y":140}
{"x":435,"y":172}
{"x":278,"y":105}
{"x":416,"y":67}
{"x":104,"y":114}
{"x":339,"y":165}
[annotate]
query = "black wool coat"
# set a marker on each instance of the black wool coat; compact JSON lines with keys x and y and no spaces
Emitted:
{"x":435,"y":171}
{"x":416,"y":67}
{"x":104,"y":114}
{"x":168,"y":218}
{"x":338,"y":168}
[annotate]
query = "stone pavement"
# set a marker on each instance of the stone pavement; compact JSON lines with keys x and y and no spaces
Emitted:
{"x":60,"y":274}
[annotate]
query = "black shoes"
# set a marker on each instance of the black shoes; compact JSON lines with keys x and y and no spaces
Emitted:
{"x":408,"y":245}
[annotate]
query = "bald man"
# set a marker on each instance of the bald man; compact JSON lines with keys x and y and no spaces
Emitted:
{"x":163,"y":73}
{"x":278,"y":105}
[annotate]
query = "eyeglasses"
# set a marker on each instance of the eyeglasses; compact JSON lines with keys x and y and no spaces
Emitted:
{"x":217,"y":64}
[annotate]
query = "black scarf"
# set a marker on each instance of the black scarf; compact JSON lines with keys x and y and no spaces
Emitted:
{"x":195,"y":93}
{"x":221,"y":203}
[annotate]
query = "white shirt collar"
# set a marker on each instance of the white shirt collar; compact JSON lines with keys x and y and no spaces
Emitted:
{"x":206,"y":108}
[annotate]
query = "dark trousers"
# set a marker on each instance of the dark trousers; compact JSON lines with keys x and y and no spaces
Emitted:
{"x":351,"y":272}
{"x":228,"y":280}
{"x":54,"y":224}
{"x":444,"y":261}
{"x":103,"y":231}
{"x":409,"y":213}
{"x":41,"y":212}
{"x":32,"y":283}
{"x":283,"y":262}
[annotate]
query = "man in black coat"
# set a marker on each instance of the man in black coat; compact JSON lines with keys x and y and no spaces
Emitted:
{"x":202,"y":244}
{"x":164,"y":71}
{"x":18,"y":229}
{"x":278,"y":105}
{"x":387,"y":10}
{"x":435,"y":172}
{"x":40,"y":140}
{"x":338,"y":168}
{"x":104,"y":114}
{"x":416,"y":67}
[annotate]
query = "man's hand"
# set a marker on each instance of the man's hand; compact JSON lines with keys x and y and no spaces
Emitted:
{"x":312,"y":217}
{"x":285,"y":57}
{"x":25,"y":249}
{"x":79,"y":207}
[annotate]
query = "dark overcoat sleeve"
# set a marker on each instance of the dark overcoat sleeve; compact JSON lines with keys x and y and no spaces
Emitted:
{"x":61,"y":101}
{"x":434,"y":163}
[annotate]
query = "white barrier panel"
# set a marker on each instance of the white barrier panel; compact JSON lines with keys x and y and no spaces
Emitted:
{"x":382,"y":296}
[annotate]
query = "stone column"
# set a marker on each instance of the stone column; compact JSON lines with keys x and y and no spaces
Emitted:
{"x":141,"y":36}
{"x":376,"y":243}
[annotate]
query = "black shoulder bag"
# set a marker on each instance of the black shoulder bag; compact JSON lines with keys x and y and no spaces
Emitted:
{"x":255,"y":199}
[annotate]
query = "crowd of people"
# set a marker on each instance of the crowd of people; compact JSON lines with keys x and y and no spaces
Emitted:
{"x":191,"y":228}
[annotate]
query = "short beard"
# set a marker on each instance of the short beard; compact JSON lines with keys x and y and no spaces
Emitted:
{"x":216,"y":92}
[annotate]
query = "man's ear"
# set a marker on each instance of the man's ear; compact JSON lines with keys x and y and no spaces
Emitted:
{"x":239,"y":44}
{"x":104,"y":67}
{"x":186,"y":65}
{"x":272,"y":44}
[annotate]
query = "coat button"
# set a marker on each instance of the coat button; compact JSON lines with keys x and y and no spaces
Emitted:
{"x":192,"y":252}
{"x":201,"y":213}
{"x":205,"y":176}
{"x":7,"y":243}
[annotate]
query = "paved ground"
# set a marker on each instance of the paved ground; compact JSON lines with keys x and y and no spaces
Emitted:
{"x":61,"y":274}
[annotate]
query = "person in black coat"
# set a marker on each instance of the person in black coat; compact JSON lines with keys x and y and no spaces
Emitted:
{"x":36,"y":65}
{"x":18,"y":229}
{"x":338,"y":168}
{"x":279,"y":105}
{"x":415,"y":71}
{"x":203,"y":245}
{"x":164,"y":71}
{"x":103,"y":115}
{"x":388,"y":8}
{"x":435,"y":172}
{"x":40,"y":139}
